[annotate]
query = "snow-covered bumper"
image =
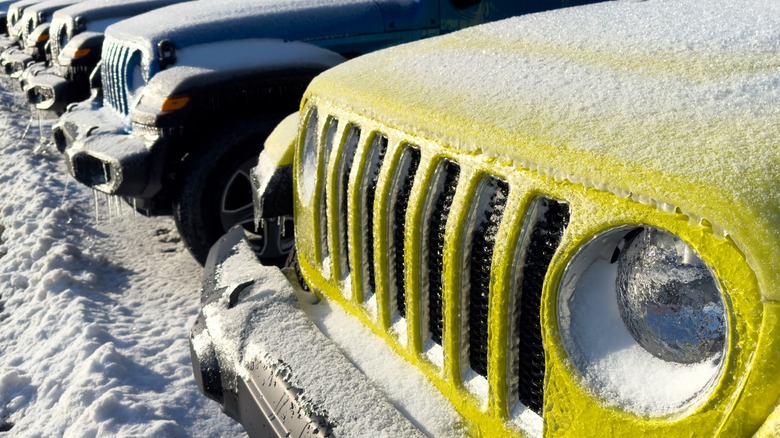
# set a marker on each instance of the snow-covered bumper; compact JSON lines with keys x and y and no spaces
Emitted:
{"x":7,"y":42}
{"x":45,"y":88}
{"x":256,"y":352}
{"x":14,"y":61}
{"x":101,"y":154}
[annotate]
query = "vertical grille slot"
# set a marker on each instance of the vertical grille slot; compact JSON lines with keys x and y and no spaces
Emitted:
{"x":109,"y":87}
{"x":485,"y":219}
{"x":373,"y":164}
{"x":330,"y":135}
{"x":347,"y":158}
{"x":435,"y":222}
{"x":399,"y":202}
{"x":59,"y":37}
{"x":547,"y":221}
{"x":115,"y":76}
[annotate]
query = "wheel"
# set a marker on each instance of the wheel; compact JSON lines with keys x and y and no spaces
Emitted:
{"x":215,"y":194}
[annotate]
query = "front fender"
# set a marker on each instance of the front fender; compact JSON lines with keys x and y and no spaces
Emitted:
{"x":272,"y":180}
{"x":234,"y":76}
{"x":83,"y":50}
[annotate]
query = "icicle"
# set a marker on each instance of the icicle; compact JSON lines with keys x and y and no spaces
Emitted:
{"x":97,"y":209}
{"x":108,"y":204}
{"x":135,"y":208}
{"x":27,"y":128}
{"x":105,"y":171}
{"x":282,"y":222}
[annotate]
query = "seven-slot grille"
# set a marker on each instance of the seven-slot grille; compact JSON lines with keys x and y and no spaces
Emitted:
{"x":116,"y":58}
{"x":365,"y":173}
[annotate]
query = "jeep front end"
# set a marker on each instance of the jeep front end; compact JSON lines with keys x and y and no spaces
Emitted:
{"x":569,"y":222}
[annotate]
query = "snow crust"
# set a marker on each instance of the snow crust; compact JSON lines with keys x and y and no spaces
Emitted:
{"x":241,"y":54}
{"x":94,"y":316}
{"x":237,"y":57}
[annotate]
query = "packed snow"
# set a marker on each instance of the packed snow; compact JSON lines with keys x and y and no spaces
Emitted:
{"x":94,"y":314}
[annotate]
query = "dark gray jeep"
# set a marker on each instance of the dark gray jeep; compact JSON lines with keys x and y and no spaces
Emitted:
{"x":185,"y":109}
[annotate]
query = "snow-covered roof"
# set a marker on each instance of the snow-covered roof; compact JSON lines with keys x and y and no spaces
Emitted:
{"x":22,"y":4}
{"x":210,"y":21}
{"x":674,"y":102}
{"x":48,"y":7}
{"x":101,"y":9}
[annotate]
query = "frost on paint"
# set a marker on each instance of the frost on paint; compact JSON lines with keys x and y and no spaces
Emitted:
{"x":692,"y":101}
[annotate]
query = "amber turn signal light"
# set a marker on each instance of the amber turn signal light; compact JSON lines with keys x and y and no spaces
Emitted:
{"x":80,"y":53}
{"x":175,"y":103}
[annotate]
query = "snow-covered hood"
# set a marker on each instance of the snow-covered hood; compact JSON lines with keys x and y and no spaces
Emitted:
{"x":16,"y":9}
{"x":99,"y":14}
{"x":213,"y":21}
{"x":674,"y":103}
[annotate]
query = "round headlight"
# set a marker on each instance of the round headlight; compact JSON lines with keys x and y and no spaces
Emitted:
{"x":643,"y":320}
{"x":668,"y":299}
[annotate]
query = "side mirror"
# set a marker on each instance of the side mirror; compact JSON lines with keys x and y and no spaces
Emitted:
{"x":166,"y":53}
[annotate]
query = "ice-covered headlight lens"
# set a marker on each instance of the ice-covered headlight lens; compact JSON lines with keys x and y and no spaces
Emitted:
{"x":643,"y":320}
{"x":668,"y":298}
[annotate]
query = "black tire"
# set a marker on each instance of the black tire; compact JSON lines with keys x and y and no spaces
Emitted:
{"x":215,"y":194}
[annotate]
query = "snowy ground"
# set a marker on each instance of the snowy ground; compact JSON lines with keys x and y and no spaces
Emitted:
{"x":94,"y":311}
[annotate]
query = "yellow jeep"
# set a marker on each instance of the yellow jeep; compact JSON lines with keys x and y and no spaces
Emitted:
{"x":568,"y":222}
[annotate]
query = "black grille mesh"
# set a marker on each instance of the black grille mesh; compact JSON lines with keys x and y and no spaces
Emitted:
{"x":546,"y":225}
{"x":438,"y":223}
{"x":488,"y":218}
{"x":411,"y":155}
{"x":348,"y":157}
{"x":374,"y":165}
{"x":551,"y":222}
